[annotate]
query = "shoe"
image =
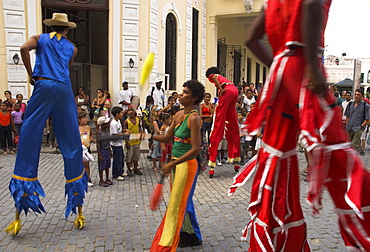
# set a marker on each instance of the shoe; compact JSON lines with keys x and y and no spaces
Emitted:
{"x":362,"y":153}
{"x":109,"y":182}
{"x":124,"y":174}
{"x":138,"y":172}
{"x":51,"y":146}
{"x":13,"y":153}
{"x":5,"y":153}
{"x":103,"y":184}
{"x":218,"y":162}
{"x":89,"y":184}
{"x":156,"y":169}
{"x":130,"y":173}
{"x":236,"y":168}
{"x":211,"y":172}
{"x":119,"y":178}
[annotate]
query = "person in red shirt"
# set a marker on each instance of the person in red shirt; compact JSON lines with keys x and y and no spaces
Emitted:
{"x":6,"y":128}
{"x":225,"y":118}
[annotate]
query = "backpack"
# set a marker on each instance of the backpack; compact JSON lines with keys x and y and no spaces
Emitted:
{"x":146,"y":117}
{"x":153,"y":88}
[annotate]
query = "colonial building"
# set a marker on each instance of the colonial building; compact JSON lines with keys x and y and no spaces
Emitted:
{"x":114,"y":37}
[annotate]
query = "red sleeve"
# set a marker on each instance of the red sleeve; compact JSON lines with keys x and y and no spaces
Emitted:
{"x":210,"y":78}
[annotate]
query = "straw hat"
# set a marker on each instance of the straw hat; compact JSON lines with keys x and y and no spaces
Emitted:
{"x":60,"y":19}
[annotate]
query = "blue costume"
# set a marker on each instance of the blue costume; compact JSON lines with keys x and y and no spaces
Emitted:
{"x":52,"y":96}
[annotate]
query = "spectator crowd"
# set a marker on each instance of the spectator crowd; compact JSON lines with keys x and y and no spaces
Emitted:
{"x":133,"y":122}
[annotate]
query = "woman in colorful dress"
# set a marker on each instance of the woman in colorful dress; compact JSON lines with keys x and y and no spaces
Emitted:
{"x":225,"y":118}
{"x":179,"y":226}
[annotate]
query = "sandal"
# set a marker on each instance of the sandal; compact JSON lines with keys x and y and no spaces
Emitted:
{"x":109,"y":182}
{"x":103,"y":184}
{"x":156,"y":169}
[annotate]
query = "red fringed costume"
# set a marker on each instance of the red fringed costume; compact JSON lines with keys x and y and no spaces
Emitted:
{"x":287,"y":108}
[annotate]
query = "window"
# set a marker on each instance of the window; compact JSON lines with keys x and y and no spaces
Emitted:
{"x":249,"y":70}
{"x":257,"y":73}
{"x":194,"y":53}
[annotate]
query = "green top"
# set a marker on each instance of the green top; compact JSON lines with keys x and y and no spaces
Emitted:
{"x":182,"y":141}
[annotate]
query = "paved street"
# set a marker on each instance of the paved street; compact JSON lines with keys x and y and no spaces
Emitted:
{"x":118,"y":218}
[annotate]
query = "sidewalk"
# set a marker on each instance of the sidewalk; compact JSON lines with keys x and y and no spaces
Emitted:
{"x":118,"y":217}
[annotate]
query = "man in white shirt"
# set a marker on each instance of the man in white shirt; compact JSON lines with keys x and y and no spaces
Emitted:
{"x":248,"y":100}
{"x":125,"y":95}
{"x":348,"y":97}
{"x":157,"y":93}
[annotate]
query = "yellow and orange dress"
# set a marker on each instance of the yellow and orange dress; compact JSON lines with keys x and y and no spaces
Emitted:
{"x":179,"y":226}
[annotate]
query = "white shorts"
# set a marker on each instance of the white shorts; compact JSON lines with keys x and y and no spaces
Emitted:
{"x":222,"y":145}
{"x":364,"y":134}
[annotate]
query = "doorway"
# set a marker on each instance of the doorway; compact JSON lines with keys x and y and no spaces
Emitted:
{"x":90,"y":67}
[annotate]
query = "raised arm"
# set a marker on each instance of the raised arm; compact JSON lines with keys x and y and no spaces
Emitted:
{"x":25,"y":54}
{"x":311,"y":32}
{"x":253,"y":40}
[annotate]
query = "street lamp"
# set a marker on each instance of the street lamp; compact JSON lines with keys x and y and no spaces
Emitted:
{"x":16,"y":58}
{"x":131,"y":63}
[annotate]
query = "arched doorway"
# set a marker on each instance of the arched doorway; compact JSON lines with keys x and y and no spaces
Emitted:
{"x":171,"y":47}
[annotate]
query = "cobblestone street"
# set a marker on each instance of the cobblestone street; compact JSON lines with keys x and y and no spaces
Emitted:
{"x":118,"y":217}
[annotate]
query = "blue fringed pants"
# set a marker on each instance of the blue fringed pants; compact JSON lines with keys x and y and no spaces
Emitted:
{"x":49,"y":98}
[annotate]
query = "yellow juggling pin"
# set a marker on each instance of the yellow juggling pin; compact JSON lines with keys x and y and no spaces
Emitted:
{"x":147,"y":67}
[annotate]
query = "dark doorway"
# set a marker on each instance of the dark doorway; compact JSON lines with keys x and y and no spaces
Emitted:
{"x":90,"y":67}
{"x":171,"y":47}
{"x":229,"y":60}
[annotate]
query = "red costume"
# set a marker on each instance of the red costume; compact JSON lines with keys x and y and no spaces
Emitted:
{"x":288,"y":108}
{"x":225,"y":121}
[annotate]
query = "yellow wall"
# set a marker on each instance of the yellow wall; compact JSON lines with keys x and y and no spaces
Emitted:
{"x":222,"y":22}
{"x":3,"y":65}
{"x":236,"y":36}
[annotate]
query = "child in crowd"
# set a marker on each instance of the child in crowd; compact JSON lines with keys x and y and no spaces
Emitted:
{"x":19,"y":98}
{"x":107,"y":103}
{"x":134,"y":126}
{"x":104,"y":151}
{"x":17,"y":117}
{"x":6,"y":127}
{"x":146,"y":121}
{"x":166,"y":147}
{"x":241,"y":120}
{"x":9,"y":101}
{"x":86,"y":139}
{"x":171,"y":103}
{"x":176,"y":96}
{"x":174,"y":110}
{"x":117,"y":145}
{"x":222,"y":149}
{"x":157,"y":124}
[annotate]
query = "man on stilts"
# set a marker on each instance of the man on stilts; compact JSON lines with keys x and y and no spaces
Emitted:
{"x":52,"y":96}
{"x":304,"y":108}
